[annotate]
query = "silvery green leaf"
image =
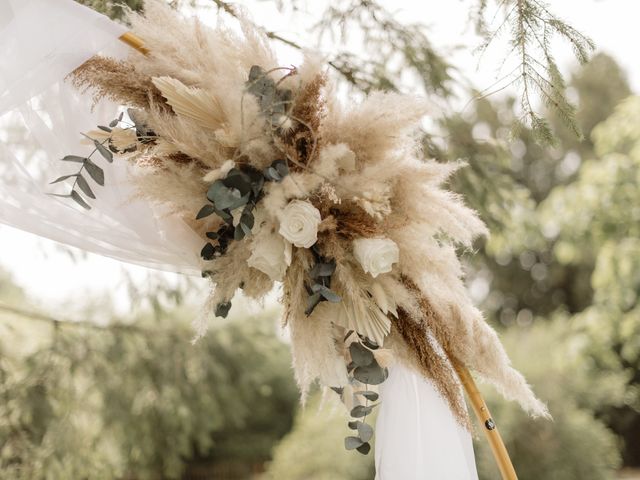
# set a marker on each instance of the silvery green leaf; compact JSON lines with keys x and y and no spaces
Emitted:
{"x":104,"y":151}
{"x":208,"y":251}
{"x":63,"y":178}
{"x":329,"y":295}
{"x":222,"y":309}
{"x":238,"y":180}
{"x":282,"y":167}
{"x":312,"y":303}
{"x":84,"y":186}
{"x":372,"y":374}
{"x":224,"y":197}
{"x":369,"y":343}
{"x":323,"y":269}
{"x":255,"y":72}
{"x":364,"y":449}
{"x":365,"y":432}
{"x":73,"y":158}
{"x":351,"y":443}
{"x":361,"y":411}
{"x":369,"y":395}
{"x":79,"y":200}
{"x":338,"y":390}
{"x":105,"y":129}
{"x":94,"y":171}
{"x":354,"y":425}
{"x":361,"y":355}
{"x":205,"y":211}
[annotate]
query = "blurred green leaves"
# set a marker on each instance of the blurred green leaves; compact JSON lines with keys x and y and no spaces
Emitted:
{"x":107,"y":403}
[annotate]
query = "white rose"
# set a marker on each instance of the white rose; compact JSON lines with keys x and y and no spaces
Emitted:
{"x":271,"y":254}
{"x":376,"y":255}
{"x":299,"y":222}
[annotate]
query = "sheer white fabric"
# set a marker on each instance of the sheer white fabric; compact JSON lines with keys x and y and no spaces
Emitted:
{"x":417,"y":437}
{"x":41,"y":117}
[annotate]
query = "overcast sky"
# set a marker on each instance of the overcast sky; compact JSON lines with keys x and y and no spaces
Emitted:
{"x":52,"y":276}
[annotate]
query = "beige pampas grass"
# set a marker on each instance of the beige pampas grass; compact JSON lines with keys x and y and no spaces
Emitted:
{"x":194,"y":103}
{"x":360,"y":166}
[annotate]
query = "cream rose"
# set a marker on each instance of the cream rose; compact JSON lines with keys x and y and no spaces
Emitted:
{"x":271,"y":254}
{"x":376,"y":255}
{"x":299,"y":222}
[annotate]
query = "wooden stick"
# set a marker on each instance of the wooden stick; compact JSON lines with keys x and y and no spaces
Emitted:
{"x":489,"y":426}
{"x":134,"y":41}
{"x":479,"y":406}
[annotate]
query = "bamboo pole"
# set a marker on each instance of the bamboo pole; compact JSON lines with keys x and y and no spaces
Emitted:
{"x":489,"y":426}
{"x":134,"y":41}
{"x":477,"y":402}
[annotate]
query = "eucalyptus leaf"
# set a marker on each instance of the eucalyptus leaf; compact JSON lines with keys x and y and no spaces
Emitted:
{"x":361,"y":355}
{"x":206,"y":211}
{"x":272,"y":174}
{"x":104,"y":151}
{"x":208,"y":252}
{"x":372,"y":374}
{"x":225,"y":215}
{"x":365,"y":431}
{"x":281,"y":167}
{"x":329,"y":295}
{"x":338,"y":390}
{"x":364,"y":449}
{"x":351,"y":443}
{"x":222,"y":309}
{"x":94,"y":171}
{"x":361,"y":411}
{"x":73,"y":158}
{"x":323,"y":269}
{"x":369,"y":343}
{"x":224,"y":197}
{"x":105,"y":129}
{"x":114,"y":123}
{"x":63,"y":178}
{"x":369,"y":395}
{"x":354,"y":425}
{"x":84,"y":186}
{"x":79,"y":200}
{"x":312,"y":303}
{"x":212,"y":235}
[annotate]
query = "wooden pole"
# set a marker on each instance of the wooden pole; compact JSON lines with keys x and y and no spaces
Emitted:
{"x":134,"y":41}
{"x":479,"y":406}
{"x":488,"y":425}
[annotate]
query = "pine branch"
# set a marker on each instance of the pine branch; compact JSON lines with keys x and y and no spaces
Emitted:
{"x":532,"y":27}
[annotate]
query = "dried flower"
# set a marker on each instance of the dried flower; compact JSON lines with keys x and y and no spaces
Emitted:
{"x":376,"y":255}
{"x":299,"y":223}
{"x":271,"y":254}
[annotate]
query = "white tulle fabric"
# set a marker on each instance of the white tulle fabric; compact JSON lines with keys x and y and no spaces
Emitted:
{"x":41,"y":117}
{"x":417,"y":437}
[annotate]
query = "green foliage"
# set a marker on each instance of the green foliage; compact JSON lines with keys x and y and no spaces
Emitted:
{"x":574,"y":445}
{"x":314,"y":449}
{"x":532,"y":26}
{"x":114,"y":9}
{"x":88,"y":402}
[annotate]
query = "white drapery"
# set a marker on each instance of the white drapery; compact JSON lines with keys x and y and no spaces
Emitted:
{"x":42,"y":117}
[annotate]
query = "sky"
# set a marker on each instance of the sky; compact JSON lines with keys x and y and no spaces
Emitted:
{"x":49,"y":273}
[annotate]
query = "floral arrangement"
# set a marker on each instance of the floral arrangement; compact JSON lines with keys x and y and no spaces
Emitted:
{"x":284,"y":183}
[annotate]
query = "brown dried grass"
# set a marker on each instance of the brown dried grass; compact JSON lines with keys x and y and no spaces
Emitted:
{"x":117,"y":80}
